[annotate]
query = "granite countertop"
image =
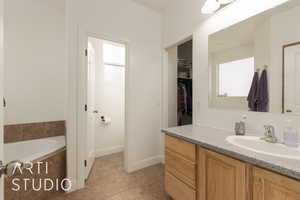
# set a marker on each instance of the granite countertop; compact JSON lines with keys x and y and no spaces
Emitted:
{"x":215,"y":140}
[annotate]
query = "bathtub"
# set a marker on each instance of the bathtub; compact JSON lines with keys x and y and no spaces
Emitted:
{"x":50,"y":151}
{"x":32,"y":150}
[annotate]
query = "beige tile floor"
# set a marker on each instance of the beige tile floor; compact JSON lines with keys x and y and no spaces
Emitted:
{"x":109,"y":181}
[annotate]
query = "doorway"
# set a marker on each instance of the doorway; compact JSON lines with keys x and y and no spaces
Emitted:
{"x":106,"y":65}
{"x":185,"y":83}
{"x":178,"y":84}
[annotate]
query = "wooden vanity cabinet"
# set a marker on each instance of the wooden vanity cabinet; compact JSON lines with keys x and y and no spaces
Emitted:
{"x":271,"y":186}
{"x":195,"y":173}
{"x":180,"y":169}
{"x":220,"y":177}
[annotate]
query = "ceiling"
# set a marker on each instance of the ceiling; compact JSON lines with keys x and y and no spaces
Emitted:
{"x":158,"y":5}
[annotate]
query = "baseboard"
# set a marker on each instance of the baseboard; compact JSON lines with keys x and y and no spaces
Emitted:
{"x":74,"y":186}
{"x":92,"y":154}
{"x":90,"y":164}
{"x":145,"y":163}
{"x":108,"y":151}
{"x":162,"y":158}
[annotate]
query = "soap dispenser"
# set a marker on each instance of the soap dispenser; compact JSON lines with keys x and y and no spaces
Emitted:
{"x":240,"y":127}
{"x":290,"y":135}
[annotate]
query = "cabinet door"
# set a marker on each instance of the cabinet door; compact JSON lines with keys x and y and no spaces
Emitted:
{"x":270,"y":186}
{"x":220,"y":177}
{"x":186,"y":149}
{"x":177,"y":189}
{"x":181,"y":168}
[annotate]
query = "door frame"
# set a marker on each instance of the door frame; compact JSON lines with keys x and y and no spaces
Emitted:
{"x":83,"y":36}
{"x":165,"y":98}
{"x":165,"y":78}
{"x":90,"y":112}
{"x":1,"y":93}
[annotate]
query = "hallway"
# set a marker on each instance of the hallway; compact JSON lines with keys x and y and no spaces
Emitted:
{"x":109,"y":181}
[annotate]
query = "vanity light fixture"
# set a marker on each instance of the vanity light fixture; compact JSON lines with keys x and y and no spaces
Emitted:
{"x":224,"y":2}
{"x":212,"y":6}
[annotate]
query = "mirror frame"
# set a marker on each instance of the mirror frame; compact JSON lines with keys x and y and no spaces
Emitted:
{"x":283,"y":73}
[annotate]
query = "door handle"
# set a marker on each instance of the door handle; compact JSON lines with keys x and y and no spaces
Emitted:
{"x":10,"y":168}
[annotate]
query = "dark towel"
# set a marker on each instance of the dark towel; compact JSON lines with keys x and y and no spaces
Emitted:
{"x":252,"y":104}
{"x":189,"y":100}
{"x":181,"y":101}
{"x":263,"y":93}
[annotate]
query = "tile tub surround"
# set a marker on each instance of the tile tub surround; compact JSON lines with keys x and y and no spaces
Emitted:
{"x":31,"y":131}
{"x":56,"y":170}
{"x":215,"y":140}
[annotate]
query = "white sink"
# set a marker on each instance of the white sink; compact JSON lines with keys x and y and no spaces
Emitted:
{"x":260,"y":146}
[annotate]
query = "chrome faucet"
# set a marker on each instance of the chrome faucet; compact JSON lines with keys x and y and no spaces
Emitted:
{"x":270,"y":134}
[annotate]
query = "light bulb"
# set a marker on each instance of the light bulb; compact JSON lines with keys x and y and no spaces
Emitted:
{"x":210,"y":7}
{"x":225,"y":1}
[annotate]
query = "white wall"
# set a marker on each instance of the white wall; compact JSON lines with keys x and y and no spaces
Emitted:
{"x":141,"y":27}
{"x":91,"y":92}
{"x":172,"y":86}
{"x":180,"y":20}
{"x":169,"y":91}
{"x":35,"y":61}
{"x":110,"y":102}
{"x":203,"y":115}
{"x":281,"y":34}
{"x":262,"y":44}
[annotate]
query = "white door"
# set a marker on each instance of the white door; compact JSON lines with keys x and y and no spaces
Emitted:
{"x":82,"y":113}
{"x":91,"y":65}
{"x":292,"y":81}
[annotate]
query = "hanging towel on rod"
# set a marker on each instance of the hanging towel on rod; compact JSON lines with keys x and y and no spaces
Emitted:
{"x":181,"y":98}
{"x":252,"y":104}
{"x":188,"y":86}
{"x":263,"y":93}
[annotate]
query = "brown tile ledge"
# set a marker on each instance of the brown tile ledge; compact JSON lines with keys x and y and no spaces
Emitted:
{"x":22,"y":132}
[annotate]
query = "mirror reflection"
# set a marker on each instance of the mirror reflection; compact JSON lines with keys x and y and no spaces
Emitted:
{"x":253,"y":64}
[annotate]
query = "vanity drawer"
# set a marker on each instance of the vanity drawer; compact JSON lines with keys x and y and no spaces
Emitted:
{"x":183,"y":169}
{"x":177,"y":189}
{"x":186,"y":149}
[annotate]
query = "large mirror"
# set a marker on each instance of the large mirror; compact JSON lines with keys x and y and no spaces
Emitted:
{"x":255,"y":65}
